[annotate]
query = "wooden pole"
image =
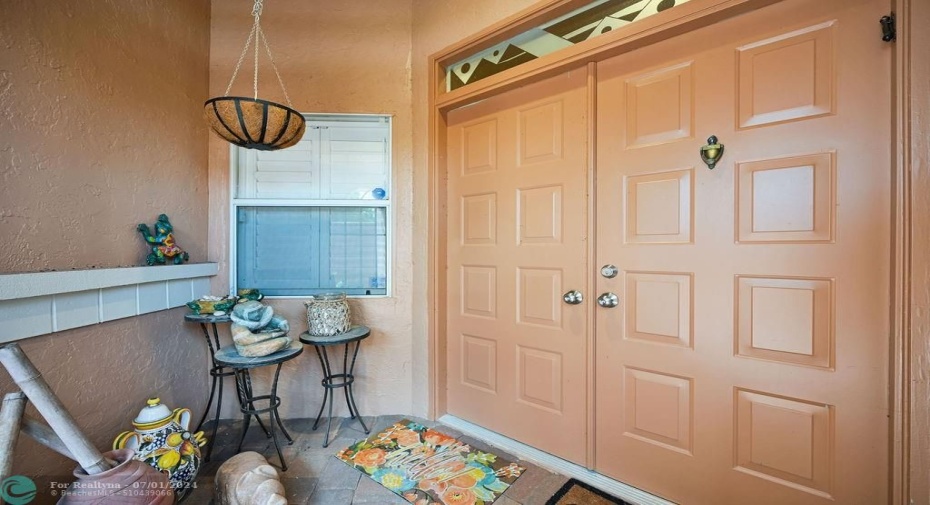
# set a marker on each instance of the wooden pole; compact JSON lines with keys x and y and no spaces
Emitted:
{"x":11,"y":413}
{"x":28,"y":378}
{"x":45,"y":436}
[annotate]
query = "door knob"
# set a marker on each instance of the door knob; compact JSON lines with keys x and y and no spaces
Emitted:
{"x":573,"y":297}
{"x":609,"y":271}
{"x":608,"y":300}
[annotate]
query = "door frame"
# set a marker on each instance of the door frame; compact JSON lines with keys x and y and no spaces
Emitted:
{"x":910,"y":312}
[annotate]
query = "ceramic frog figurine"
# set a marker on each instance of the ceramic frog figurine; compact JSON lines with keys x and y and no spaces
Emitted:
{"x":163,"y":245}
{"x":163,"y":440}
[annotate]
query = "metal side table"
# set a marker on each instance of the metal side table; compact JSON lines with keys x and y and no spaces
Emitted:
{"x":217,"y":372}
{"x":229,"y":357}
{"x":342,"y":380}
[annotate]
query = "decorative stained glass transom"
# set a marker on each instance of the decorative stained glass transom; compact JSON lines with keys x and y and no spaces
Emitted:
{"x":584,"y":23}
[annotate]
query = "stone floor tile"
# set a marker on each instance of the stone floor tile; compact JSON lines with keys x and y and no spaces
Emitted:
{"x":370,"y":492}
{"x":202,"y":493}
{"x":504,"y":500}
{"x":298,"y":490}
{"x":535,"y":486}
{"x":338,"y":475}
{"x":305,"y":463}
{"x":352,"y":427}
{"x":331,"y":497}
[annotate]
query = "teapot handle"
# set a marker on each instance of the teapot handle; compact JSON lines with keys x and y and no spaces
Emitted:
{"x":183,"y":417}
{"x":127,"y":440}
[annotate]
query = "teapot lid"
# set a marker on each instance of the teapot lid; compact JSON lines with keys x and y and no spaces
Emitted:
{"x":152,"y":413}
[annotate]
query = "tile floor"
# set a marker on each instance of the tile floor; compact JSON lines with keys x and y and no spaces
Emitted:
{"x":315,"y":476}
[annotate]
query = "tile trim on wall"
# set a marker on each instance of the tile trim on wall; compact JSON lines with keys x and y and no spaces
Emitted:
{"x":33,"y":304}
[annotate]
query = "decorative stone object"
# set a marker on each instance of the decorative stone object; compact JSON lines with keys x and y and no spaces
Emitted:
{"x":262,"y":343}
{"x":248,"y":479}
{"x":162,"y":243}
{"x":212,"y":304}
{"x":252,"y":314}
{"x":256,"y":331}
{"x":163,"y":440}
{"x":130,"y":482}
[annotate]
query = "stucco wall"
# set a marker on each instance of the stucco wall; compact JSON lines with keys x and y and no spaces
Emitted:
{"x":100,"y":129}
{"x":357,"y":57}
{"x":334,"y":57}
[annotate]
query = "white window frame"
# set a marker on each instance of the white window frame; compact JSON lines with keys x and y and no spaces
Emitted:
{"x":235,"y":203}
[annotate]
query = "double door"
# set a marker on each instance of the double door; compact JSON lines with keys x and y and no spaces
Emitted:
{"x":729,"y":336}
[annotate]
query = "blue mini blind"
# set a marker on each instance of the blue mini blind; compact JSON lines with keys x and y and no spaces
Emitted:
{"x":295,"y":251}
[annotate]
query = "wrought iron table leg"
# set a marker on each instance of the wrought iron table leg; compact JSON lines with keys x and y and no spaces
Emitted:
{"x":350,"y":379}
{"x":345,"y":390}
{"x":216,"y":418}
{"x":244,"y":400}
{"x":248,"y":394}
{"x":247,"y":405}
{"x":216,"y":375}
{"x":206,"y":336}
{"x":276,"y":416}
{"x":329,"y":384}
{"x":209,"y":403}
{"x":273,"y":411}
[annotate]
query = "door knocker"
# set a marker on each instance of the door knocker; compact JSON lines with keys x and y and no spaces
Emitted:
{"x":712,"y":152}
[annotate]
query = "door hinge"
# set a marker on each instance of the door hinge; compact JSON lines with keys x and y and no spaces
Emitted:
{"x":889,"y":28}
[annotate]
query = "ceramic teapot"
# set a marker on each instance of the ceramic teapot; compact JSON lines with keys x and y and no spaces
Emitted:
{"x":162,"y":439}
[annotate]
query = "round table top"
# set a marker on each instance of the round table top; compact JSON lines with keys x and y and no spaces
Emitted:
{"x":207,"y":318}
{"x":355,"y":333}
{"x":228,"y":356}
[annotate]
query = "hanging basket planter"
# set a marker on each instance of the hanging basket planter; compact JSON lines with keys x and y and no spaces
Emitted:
{"x":254,"y":123}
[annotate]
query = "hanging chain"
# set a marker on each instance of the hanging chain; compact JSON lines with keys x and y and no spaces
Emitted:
{"x":257,"y":34}
{"x":275,"y":67}
{"x":245,"y":50}
{"x":257,"y":14}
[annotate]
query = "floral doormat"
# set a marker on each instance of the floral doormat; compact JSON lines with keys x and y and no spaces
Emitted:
{"x":428,"y":467}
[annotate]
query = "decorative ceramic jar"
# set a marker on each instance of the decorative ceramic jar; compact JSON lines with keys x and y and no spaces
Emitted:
{"x":130,"y":482}
{"x":328,"y":314}
{"x":163,"y":440}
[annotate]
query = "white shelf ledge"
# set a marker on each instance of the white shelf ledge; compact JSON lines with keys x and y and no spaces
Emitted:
{"x":33,"y":304}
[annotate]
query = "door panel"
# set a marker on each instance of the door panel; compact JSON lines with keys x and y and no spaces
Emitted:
{"x":517,"y":169}
{"x":747,"y":359}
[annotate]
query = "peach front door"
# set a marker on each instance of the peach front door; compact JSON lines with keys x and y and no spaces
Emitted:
{"x":517,"y":168}
{"x":746,"y":360}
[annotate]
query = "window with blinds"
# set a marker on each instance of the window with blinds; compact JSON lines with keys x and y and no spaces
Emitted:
{"x":315,"y":217}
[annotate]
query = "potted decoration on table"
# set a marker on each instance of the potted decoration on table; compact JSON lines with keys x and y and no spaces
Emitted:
{"x":215,"y":305}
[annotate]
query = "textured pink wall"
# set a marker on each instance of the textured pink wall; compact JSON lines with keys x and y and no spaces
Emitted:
{"x":100,"y":129}
{"x":362,"y":57}
{"x":335,"y":57}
